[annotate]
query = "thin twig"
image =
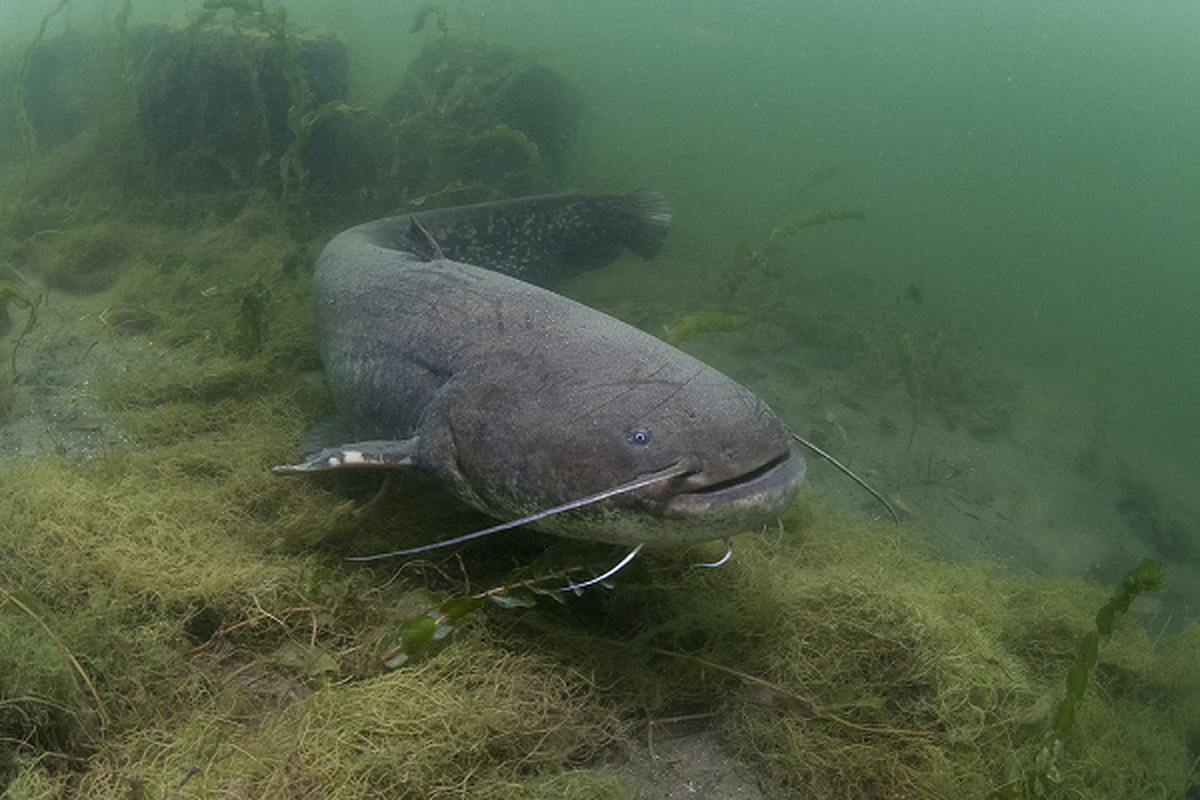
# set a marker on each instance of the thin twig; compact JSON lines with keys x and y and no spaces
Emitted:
{"x":817,"y":710}
{"x":224,"y":631}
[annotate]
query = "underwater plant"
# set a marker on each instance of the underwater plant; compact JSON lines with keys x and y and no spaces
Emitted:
{"x":299,"y":122}
{"x":698,"y":322}
{"x":752,"y":258}
{"x":1037,"y":778}
{"x":10,"y":294}
{"x":28,"y":134}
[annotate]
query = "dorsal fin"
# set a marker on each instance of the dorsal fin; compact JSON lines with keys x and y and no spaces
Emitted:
{"x":421,"y":242}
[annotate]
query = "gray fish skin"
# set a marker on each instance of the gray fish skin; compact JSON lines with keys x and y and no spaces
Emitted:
{"x":519,"y":399}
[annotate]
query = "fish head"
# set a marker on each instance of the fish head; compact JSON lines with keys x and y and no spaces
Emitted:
{"x":728,"y":464}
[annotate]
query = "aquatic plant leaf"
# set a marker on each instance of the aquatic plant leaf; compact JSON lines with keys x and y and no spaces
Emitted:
{"x":699,"y":322}
{"x":416,"y":633}
{"x":1077,"y":678}
{"x":321,"y":662}
{"x":459,"y":607}
{"x":9,"y":292}
{"x":19,"y":597}
{"x":1147,"y":576}
{"x":518,"y":597}
{"x":321,"y":577}
{"x":312,"y":660}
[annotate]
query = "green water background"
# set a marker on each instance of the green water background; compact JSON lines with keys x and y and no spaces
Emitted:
{"x":1031,"y":164}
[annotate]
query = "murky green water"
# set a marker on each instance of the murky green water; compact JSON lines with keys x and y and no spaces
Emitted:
{"x":1033,"y":163}
{"x":959,"y":241}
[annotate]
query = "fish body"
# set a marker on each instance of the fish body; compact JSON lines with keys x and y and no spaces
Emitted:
{"x":518,"y":399}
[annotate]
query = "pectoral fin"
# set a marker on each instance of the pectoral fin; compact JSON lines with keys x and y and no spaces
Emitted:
{"x":374,"y":454}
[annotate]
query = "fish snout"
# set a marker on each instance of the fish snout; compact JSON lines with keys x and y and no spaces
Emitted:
{"x":769,"y":484}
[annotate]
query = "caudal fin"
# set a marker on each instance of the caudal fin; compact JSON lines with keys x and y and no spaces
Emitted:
{"x":649,"y":219}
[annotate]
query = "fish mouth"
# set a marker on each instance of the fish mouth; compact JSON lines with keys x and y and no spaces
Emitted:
{"x":766,"y":488}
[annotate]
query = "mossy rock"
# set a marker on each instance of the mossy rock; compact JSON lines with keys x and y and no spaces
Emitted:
{"x":349,"y":160}
{"x":65,"y":88}
{"x":472,"y":113}
{"x":213,"y":99}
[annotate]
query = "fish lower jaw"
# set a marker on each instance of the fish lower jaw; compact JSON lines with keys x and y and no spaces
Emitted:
{"x":769,"y":488}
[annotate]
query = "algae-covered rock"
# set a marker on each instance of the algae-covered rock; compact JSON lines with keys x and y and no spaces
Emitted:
{"x":477,"y":120}
{"x":61,"y":94}
{"x":213,"y":98}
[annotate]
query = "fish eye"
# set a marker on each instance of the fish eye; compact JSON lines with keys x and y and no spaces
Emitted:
{"x":639,"y":436}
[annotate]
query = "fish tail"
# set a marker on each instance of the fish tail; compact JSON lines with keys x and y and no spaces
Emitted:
{"x":648,"y":217}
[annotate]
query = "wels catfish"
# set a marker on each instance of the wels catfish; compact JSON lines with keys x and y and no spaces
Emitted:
{"x":444,"y":355}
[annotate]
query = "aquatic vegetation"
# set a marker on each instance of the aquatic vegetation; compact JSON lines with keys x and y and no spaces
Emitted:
{"x":1037,"y":779}
{"x":945,"y":663}
{"x":238,"y":102}
{"x":423,"y":13}
{"x":24,"y":126}
{"x":85,"y":259}
{"x":475,"y":121}
{"x":941,"y":371}
{"x":250,"y":330}
{"x":746,"y":262}
{"x":789,"y":227}
{"x":753,"y":260}
{"x":9,"y":294}
{"x":1096,"y":455}
{"x":229,"y":103}
{"x":125,"y":318}
{"x":7,"y":395}
{"x":209,"y":605}
{"x":689,"y":325}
